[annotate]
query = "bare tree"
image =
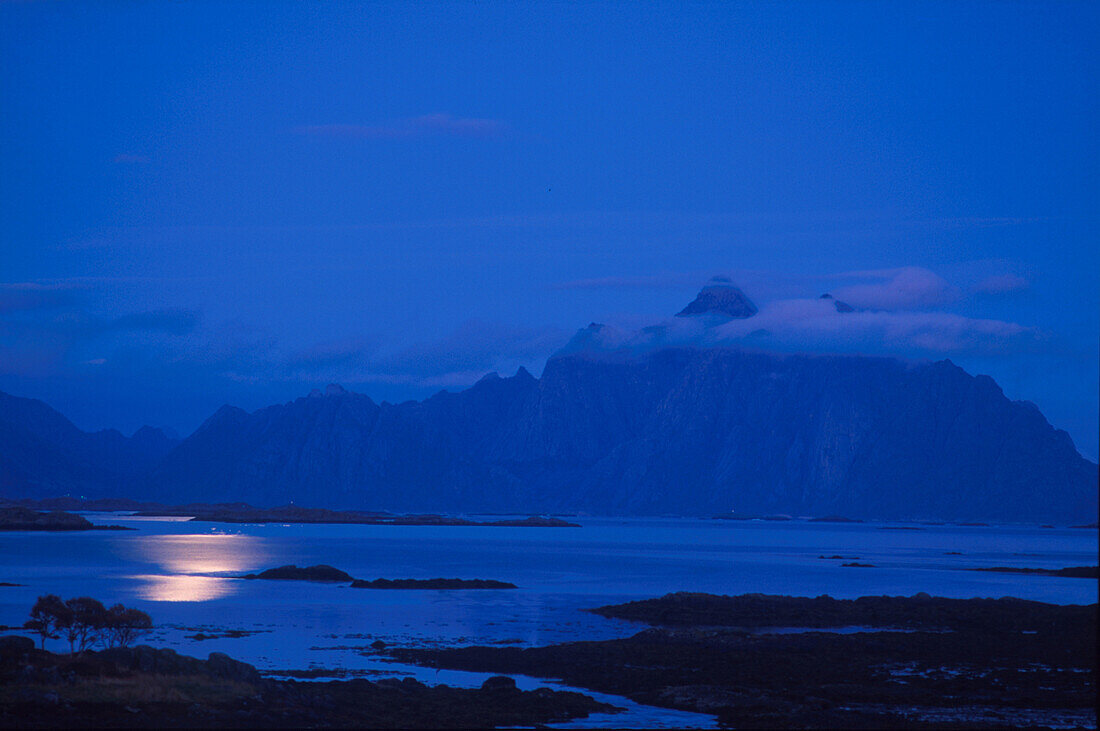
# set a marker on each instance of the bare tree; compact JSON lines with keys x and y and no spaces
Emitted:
{"x":48,"y":615}
{"x":84,"y":622}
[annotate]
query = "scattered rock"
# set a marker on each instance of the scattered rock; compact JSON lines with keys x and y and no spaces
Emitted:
{"x":221,"y":665}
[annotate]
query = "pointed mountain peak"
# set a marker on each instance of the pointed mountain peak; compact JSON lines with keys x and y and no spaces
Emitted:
{"x":152,"y":434}
{"x":840,"y":306}
{"x":335,"y":389}
{"x":147,"y":432}
{"x":584,"y":339}
{"x":720,"y":297}
{"x":225,"y":415}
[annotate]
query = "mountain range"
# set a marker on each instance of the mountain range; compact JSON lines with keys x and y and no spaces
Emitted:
{"x":672,"y":430}
{"x":43,"y":454}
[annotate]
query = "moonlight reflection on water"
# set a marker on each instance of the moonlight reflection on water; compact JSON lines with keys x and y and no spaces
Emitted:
{"x":191,"y":564}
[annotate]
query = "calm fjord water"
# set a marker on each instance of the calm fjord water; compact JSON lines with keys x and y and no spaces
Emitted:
{"x":179,"y":572}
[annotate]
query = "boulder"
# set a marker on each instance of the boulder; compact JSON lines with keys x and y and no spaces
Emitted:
{"x":499,"y":683}
{"x":221,"y":665}
{"x":16,"y":645}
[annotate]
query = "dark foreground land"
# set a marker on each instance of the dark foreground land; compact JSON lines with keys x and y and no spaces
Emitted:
{"x":148,"y":688}
{"x":974,"y":663}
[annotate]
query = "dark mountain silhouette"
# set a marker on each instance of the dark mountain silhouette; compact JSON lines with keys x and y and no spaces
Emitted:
{"x":43,"y":454}
{"x":676,"y":430}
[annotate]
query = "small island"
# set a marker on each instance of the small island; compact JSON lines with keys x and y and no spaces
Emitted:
{"x":918,"y":612}
{"x":18,"y":518}
{"x":321,"y":572}
{"x":1072,"y":572}
{"x":332,"y":575}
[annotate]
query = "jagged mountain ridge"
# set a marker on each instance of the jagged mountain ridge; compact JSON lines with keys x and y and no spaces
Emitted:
{"x":679,"y":431}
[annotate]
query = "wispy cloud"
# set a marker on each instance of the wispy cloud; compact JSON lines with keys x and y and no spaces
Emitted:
{"x":50,"y":327}
{"x":35,"y":296}
{"x":905,"y":288}
{"x":899,"y":311}
{"x":813,"y":324}
{"x":458,"y":359}
{"x":428,"y":125}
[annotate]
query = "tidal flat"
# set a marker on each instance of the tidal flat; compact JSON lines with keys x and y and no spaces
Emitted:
{"x":971,"y":662}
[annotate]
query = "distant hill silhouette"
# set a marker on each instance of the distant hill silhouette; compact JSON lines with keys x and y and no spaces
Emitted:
{"x":42,"y":454}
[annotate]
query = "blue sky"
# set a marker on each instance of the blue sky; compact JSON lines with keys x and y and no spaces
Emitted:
{"x":235,"y":202}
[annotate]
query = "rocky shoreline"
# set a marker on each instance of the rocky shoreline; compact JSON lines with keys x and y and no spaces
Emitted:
{"x":978,"y":663}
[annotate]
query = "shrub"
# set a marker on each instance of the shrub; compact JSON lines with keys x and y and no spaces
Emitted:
{"x":125,"y":625}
